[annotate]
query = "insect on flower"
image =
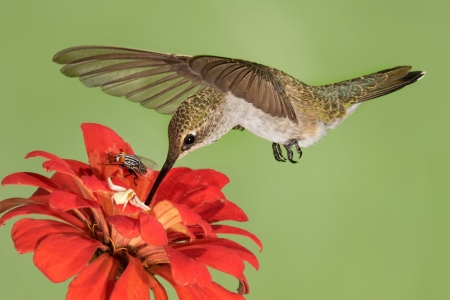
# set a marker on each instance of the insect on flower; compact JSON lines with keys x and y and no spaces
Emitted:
{"x":135,"y":164}
{"x":124,"y":196}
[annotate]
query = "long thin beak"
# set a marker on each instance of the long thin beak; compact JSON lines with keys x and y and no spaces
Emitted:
{"x":164,"y":170}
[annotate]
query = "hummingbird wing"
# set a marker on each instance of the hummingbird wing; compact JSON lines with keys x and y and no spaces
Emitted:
{"x":162,"y":81}
{"x":155,"y":80}
{"x":247,"y":80}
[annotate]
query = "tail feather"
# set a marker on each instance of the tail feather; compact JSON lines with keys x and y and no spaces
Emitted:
{"x":338,"y":100}
{"x":369,"y":86}
{"x":393,"y":82}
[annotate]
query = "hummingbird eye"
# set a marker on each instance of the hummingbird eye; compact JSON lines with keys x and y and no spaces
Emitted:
{"x":189,"y":139}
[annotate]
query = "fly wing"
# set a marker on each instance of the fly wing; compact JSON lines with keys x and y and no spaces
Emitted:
{"x":148,"y":162}
{"x":162,"y":81}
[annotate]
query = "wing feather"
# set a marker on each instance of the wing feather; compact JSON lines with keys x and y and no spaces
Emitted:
{"x":162,"y":81}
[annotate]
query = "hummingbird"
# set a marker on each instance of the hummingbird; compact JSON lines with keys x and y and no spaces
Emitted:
{"x":208,"y":96}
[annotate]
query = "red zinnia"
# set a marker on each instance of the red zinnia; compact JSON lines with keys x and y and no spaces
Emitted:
{"x":115,"y":253}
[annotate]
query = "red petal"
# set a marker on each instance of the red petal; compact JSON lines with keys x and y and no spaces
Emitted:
{"x":216,"y":291}
{"x":27,"y":178}
{"x":62,"y":255}
{"x":144,"y":184}
{"x":191,"y":181}
{"x":221,"y":210}
{"x":205,"y":177}
{"x":96,"y":281}
{"x":27,"y":233}
{"x":81,"y":168}
{"x":186,"y":292}
{"x":186,"y":270}
{"x":54,"y":163}
{"x":126,"y":226}
{"x":13,"y":202}
{"x":235,"y":230}
{"x":71,"y":184}
{"x":218,"y":257}
{"x":133,"y":283}
{"x":200,"y":195}
{"x":165,"y":189}
{"x":94,"y":184}
{"x":243,"y":252}
{"x":101,"y":140}
{"x":43,"y":210}
{"x":188,"y":217}
{"x":179,"y":232}
{"x":206,"y":227}
{"x":40,"y":196}
{"x":65,"y":201}
{"x":157,"y":289}
{"x":152,"y":232}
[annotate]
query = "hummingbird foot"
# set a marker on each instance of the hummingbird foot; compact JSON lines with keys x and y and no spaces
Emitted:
{"x":277,"y":153}
{"x":290,"y":153}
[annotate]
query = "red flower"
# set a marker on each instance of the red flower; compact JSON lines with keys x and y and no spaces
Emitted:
{"x":117,"y":253}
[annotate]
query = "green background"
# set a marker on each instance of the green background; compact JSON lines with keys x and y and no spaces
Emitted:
{"x":363,"y":215}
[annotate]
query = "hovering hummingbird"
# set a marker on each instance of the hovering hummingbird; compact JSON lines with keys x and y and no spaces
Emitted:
{"x":208,"y":96}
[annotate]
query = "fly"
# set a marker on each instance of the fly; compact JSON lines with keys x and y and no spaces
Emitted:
{"x":135,"y":164}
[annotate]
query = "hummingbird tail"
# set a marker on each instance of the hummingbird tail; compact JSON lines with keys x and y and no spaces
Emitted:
{"x":340,"y":99}
{"x":391,"y":81}
{"x":369,"y":86}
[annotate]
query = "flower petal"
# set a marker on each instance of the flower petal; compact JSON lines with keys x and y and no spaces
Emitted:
{"x":216,"y":291}
{"x":71,"y":184}
{"x":101,"y":140}
{"x":166,"y":213}
{"x":43,"y":210}
{"x":206,"y":177}
{"x":81,"y":168}
{"x":94,"y":184}
{"x":96,"y":281}
{"x":13,"y":202}
{"x":239,"y":231}
{"x":186,"y":270}
{"x":126,"y":226}
{"x":167,"y":186}
{"x":221,"y":210}
{"x":188,"y":217}
{"x":27,"y":233}
{"x":65,"y":201}
{"x":186,"y":182}
{"x":200,"y":195}
{"x":54,"y":163}
{"x":27,"y":178}
{"x":133,"y":283}
{"x":184,"y":292}
{"x":62,"y":255}
{"x":218,"y":257}
{"x":152,"y":232}
{"x":40,"y":196}
{"x":158,"y":290}
{"x":243,"y":252}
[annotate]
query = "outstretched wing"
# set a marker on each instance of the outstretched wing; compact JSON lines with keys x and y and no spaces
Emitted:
{"x":162,"y":81}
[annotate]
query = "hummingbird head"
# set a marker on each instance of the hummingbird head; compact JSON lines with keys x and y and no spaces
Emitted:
{"x":193,"y":125}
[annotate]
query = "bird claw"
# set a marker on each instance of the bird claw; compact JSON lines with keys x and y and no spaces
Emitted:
{"x":290,"y":153}
{"x":277,"y":152}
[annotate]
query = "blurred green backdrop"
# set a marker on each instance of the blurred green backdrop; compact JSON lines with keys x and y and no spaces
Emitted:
{"x":363,"y":215}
